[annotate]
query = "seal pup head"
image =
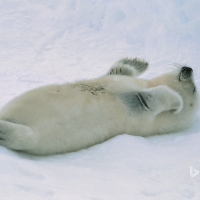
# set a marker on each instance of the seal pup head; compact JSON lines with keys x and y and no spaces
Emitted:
{"x":181,"y":80}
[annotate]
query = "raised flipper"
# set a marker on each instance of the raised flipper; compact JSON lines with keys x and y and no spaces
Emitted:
{"x":128,"y":67}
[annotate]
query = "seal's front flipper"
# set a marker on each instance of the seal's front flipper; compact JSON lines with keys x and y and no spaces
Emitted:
{"x":128,"y":67}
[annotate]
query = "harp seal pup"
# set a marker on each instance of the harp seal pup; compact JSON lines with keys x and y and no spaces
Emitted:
{"x":69,"y":117}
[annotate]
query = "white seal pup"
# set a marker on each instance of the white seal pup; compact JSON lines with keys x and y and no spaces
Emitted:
{"x":69,"y":117}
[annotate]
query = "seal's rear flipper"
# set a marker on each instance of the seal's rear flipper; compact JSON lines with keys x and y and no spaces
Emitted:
{"x":16,"y":136}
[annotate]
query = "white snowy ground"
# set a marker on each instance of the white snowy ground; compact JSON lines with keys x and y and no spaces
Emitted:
{"x":49,"y":41}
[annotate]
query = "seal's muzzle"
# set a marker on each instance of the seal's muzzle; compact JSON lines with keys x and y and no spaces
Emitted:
{"x":186,"y":72}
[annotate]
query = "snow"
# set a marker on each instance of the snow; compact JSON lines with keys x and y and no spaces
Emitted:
{"x":47,"y":41}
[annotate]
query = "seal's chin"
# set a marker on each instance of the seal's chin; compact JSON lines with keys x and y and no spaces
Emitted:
{"x":185,"y":73}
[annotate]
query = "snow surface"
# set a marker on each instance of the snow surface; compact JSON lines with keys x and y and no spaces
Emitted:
{"x":49,"y":41}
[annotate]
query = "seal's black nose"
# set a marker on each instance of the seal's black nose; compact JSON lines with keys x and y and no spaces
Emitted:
{"x":186,"y":69}
{"x":186,"y":72}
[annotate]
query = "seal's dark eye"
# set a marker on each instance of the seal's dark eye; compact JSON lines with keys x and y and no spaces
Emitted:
{"x":194,"y":89}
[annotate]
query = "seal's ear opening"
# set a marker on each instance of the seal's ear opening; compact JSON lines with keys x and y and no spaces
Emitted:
{"x":185,"y":73}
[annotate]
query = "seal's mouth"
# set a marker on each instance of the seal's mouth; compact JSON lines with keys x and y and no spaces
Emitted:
{"x":185,"y":73}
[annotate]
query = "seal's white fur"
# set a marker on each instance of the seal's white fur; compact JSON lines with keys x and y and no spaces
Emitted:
{"x":73,"y":116}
